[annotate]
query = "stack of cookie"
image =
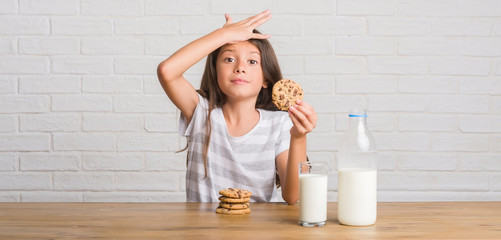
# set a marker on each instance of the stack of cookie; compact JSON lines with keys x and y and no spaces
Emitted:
{"x":234,"y":201}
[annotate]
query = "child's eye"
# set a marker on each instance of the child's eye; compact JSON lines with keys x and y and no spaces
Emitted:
{"x":252,"y":61}
{"x":229,"y":60}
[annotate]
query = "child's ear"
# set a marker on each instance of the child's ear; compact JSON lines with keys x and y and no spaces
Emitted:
{"x":266,"y":83}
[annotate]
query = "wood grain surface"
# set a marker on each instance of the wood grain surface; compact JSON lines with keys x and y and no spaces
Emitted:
{"x":422,"y":220}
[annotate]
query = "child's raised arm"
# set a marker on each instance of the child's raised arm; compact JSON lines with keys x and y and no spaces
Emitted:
{"x":170,"y":71}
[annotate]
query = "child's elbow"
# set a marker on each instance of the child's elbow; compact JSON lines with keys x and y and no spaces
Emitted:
{"x":290,"y":199}
{"x":164,"y":72}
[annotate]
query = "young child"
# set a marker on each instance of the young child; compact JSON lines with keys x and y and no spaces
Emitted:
{"x":236,"y":137}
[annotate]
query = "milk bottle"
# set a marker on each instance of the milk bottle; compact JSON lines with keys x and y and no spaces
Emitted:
{"x":357,"y":173}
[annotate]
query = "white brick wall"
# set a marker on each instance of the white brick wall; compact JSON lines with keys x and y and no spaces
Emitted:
{"x":83,"y":117}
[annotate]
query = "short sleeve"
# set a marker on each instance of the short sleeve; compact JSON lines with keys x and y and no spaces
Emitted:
{"x":199,"y":117}
{"x":284,"y":136}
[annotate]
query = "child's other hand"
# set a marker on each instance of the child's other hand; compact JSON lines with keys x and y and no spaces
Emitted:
{"x":242,"y":31}
{"x":304,"y":118}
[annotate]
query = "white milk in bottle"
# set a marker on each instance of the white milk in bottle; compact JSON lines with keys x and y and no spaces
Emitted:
{"x":357,"y":173}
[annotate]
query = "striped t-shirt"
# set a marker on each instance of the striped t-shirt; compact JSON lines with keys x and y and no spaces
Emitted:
{"x":245,"y":162}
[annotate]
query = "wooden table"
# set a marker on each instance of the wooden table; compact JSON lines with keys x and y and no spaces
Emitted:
{"x":433,"y":220}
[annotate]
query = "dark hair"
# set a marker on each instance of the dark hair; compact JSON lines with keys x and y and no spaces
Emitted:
{"x":210,"y":90}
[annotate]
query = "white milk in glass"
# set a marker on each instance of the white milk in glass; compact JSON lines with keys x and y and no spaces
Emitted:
{"x":357,"y":196}
{"x":313,"y":198}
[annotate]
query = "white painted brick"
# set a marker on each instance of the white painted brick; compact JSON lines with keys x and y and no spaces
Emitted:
{"x":460,"y":66}
{"x":144,"y":104}
{"x":239,"y":7}
{"x":25,"y":181}
{"x":82,"y":65}
{"x":83,"y":181}
{"x":480,"y":85}
{"x":476,"y":123}
{"x":165,"y":46}
{"x":8,"y":123}
{"x":495,"y":182}
{"x":398,"y":65}
{"x":427,"y":161}
{"x":366,"y":84}
{"x":484,"y":8}
{"x":340,"y":26}
{"x":83,"y":142}
{"x":177,"y":7}
{"x":402,"y":141}
{"x":147,"y":181}
{"x":109,"y":122}
{"x":459,"y":104}
{"x":436,"y":196}
{"x":302,"y":45}
{"x":479,"y":162}
{"x":10,"y":196}
{"x":303,"y":7}
{"x":8,"y":46}
{"x":497,"y":67}
{"x":200,"y":26}
{"x":365,"y":7}
{"x":325,"y":123}
{"x":428,"y":46}
{"x":334,"y":65}
{"x":495,"y":105}
{"x":146,"y":25}
{"x":115,"y":197}
{"x":113,"y":46}
{"x":24,"y":25}
{"x":283,"y":26}
{"x":113,"y":161}
{"x":45,"y":196}
{"x":48,"y":7}
{"x":496,"y":29}
{"x":84,"y":103}
{"x":428,"y":84}
{"x":49,"y":84}
{"x":398,"y":26}
{"x":77,"y":25}
{"x":496,"y":143}
{"x":323,"y":142}
{"x":444,"y":181}
{"x":459,"y":142}
{"x":8,"y":7}
{"x":112,"y":84}
{"x":8,"y":162}
{"x":148,"y":142}
{"x":50,"y":122}
{"x":334,"y":104}
{"x":314,"y":84}
{"x":167,"y":197}
{"x":152,"y":85}
{"x":460,"y":27}
{"x":24,"y":142}
{"x":111,"y":7}
{"x":397,"y":103}
{"x":365,"y":46}
{"x":434,"y":8}
{"x":137,"y":65}
{"x":386,"y":161}
{"x":49,"y":161}
{"x":8,"y":84}
{"x":17,"y":65}
{"x":291,"y":65}
{"x":479,"y":47}
{"x":376,"y":122}
{"x":161,"y":123}
{"x":23,"y":104}
{"x":166,"y":161}
{"x":427,"y":122}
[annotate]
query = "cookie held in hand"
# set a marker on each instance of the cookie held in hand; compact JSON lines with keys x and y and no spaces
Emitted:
{"x":285,"y":93}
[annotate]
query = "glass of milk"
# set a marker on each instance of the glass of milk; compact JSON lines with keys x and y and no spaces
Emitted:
{"x":312,"y":194}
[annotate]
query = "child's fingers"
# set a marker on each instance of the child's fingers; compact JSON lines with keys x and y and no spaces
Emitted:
{"x":261,"y":19}
{"x":304,"y":123}
{"x":308,"y":111}
{"x":228,"y":18}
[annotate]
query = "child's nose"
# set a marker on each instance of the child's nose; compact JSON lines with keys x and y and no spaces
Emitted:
{"x":239,"y":69}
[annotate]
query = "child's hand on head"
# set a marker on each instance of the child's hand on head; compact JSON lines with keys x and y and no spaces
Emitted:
{"x":242,"y":31}
{"x":303,"y":117}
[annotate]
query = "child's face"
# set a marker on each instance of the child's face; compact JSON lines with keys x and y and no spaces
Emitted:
{"x":239,"y":71}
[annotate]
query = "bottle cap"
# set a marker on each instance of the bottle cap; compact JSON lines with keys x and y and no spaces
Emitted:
{"x":357,"y":113}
